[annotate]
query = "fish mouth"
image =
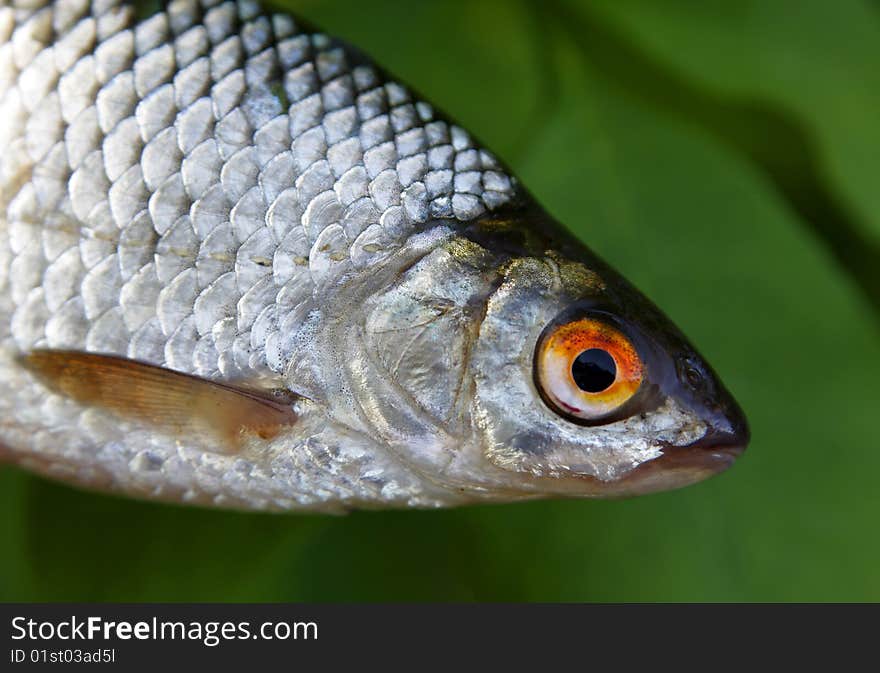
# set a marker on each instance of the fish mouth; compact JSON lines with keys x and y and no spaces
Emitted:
{"x":702,"y":456}
{"x":676,"y":467}
{"x":680,"y":466}
{"x":725,"y":440}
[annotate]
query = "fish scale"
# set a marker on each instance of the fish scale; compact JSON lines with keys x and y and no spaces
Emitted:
{"x":197,"y":164}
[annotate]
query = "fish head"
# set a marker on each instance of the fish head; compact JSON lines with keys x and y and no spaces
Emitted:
{"x":505,"y":358}
{"x":582,"y":386}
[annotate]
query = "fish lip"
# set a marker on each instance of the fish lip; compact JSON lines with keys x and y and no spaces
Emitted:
{"x":674,"y":468}
{"x":681,"y":465}
{"x":716,"y":450}
{"x":728,"y":442}
{"x":706,"y":455}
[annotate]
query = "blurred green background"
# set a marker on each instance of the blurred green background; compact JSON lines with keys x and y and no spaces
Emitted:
{"x":726,"y":158}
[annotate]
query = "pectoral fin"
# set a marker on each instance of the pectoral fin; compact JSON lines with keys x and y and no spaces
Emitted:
{"x":176,"y":403}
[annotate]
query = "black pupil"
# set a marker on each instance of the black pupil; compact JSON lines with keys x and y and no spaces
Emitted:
{"x":594,"y":370}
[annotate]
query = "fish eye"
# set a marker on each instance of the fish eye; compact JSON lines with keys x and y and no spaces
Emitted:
{"x":586,"y":369}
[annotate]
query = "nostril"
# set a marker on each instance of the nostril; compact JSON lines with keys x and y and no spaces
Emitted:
{"x":694,"y":378}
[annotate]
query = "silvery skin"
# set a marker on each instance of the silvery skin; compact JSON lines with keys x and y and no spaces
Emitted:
{"x":215,"y":191}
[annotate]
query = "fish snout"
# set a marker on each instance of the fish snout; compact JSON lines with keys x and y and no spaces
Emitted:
{"x":728,"y":432}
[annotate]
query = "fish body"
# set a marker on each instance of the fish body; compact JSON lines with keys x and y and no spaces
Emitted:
{"x":240,"y":266}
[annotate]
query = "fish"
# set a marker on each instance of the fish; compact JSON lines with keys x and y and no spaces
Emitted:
{"x":241,"y":266}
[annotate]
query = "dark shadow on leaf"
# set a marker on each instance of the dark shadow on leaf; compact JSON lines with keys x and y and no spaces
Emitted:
{"x":769,"y":136}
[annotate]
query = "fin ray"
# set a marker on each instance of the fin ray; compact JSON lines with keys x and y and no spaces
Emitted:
{"x":169,"y":400}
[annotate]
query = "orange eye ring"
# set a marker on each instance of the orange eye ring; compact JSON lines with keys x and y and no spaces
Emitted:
{"x":587,"y":369}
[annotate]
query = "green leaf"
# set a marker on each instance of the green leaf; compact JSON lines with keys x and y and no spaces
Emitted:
{"x":687,"y":215}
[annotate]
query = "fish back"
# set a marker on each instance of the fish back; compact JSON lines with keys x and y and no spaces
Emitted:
{"x":173,"y":189}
